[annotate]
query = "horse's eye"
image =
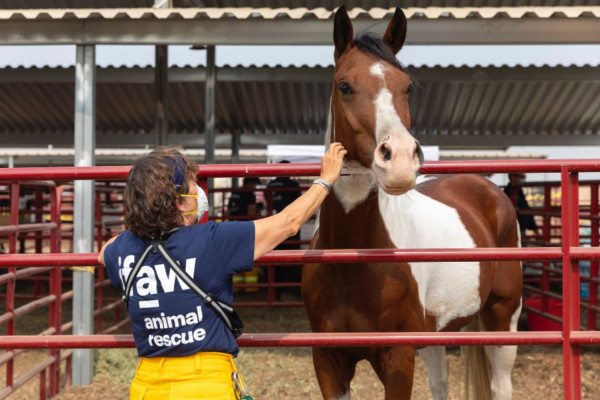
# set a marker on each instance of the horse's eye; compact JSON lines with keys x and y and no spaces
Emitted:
{"x":345,"y":89}
{"x":410,"y":89}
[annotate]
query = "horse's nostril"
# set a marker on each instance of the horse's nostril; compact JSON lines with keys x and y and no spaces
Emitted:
{"x":386,"y":153}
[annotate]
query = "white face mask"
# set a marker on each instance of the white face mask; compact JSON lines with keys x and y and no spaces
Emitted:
{"x":201,"y":203}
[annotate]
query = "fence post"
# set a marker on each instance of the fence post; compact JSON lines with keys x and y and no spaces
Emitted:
{"x":547,"y":233}
{"x":570,"y":271}
{"x":594,"y":242}
{"x":55,"y":288}
{"x":15,"y":189}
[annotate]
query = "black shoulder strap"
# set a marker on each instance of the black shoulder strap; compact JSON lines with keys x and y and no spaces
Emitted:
{"x":217,"y":305}
{"x":131,"y":277}
{"x":221,"y":308}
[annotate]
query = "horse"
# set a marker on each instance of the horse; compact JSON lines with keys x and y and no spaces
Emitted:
{"x":381,"y":203}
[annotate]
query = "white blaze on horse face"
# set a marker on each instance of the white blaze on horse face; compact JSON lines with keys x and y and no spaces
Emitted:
{"x":387,"y":119}
{"x":446,"y":290}
{"x":394,"y":159}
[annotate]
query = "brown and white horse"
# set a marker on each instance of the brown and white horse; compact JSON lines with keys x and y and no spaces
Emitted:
{"x":381,"y":204}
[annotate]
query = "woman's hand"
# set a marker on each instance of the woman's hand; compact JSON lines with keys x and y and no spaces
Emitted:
{"x":332,"y":161}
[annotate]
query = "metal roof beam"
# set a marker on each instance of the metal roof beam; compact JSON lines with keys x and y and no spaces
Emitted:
{"x":137,"y":140}
{"x":550,"y":25}
{"x":305,"y":74}
{"x":505,"y":141}
{"x":223,"y":140}
{"x":506,"y":74}
{"x":176,"y":74}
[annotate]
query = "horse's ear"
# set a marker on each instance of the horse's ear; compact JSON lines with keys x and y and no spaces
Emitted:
{"x":342,"y":32}
{"x":396,"y":31}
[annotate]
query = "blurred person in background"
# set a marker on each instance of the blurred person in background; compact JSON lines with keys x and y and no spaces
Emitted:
{"x":526,"y":221}
{"x":243,"y":203}
{"x":281,"y":198}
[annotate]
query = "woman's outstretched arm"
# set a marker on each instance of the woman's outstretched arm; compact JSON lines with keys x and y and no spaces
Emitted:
{"x":271,"y":231}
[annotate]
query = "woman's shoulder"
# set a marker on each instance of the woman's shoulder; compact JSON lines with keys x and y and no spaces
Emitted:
{"x":126,"y":239}
{"x":210,"y":225}
{"x":212,"y":228}
{"x":123,"y":244}
{"x":126,"y":235}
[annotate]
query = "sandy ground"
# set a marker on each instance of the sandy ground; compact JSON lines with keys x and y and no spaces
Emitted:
{"x":287,"y":373}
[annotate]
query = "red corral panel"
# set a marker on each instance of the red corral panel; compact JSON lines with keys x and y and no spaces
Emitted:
{"x":570,"y":337}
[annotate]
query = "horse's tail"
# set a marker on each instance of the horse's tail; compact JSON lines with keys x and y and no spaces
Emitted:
{"x":477,"y":366}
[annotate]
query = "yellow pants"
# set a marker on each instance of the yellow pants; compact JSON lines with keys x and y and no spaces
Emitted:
{"x":199,"y":376}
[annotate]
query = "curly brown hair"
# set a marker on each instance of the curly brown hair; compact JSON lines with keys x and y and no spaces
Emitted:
{"x":152,"y":189}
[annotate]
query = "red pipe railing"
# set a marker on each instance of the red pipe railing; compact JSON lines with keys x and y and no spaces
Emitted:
{"x":552,"y":230}
{"x":337,"y":256}
{"x":40,"y":231}
{"x":569,"y":253}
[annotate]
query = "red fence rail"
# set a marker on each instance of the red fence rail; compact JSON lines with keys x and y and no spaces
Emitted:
{"x":548,"y":210}
{"x":570,"y":337}
{"x":30,"y":222}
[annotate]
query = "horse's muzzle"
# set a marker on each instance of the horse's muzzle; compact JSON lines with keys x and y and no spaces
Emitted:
{"x":396,"y":163}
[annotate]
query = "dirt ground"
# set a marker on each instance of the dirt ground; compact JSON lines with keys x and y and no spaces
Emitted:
{"x":287,"y":373}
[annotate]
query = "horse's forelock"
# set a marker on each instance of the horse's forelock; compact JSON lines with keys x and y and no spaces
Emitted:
{"x":374,"y":45}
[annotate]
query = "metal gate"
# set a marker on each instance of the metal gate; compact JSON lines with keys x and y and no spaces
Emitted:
{"x":570,"y":253}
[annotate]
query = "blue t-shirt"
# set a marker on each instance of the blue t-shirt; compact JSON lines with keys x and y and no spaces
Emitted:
{"x":168,"y":318}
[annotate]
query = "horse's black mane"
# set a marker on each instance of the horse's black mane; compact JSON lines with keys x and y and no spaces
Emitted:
{"x":373,"y":44}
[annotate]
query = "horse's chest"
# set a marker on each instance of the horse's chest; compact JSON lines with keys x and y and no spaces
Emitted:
{"x":446,"y":290}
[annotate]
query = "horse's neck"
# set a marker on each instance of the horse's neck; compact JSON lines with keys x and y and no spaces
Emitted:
{"x":360,"y":227}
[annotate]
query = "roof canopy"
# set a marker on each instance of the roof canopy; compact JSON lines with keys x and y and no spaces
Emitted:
{"x":310,"y":4}
{"x":452,"y":107}
{"x":293,"y":26}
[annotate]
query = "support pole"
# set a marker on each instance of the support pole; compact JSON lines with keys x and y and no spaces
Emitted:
{"x":83,"y":208}
{"x":161,"y":87}
{"x":209,"y":112}
{"x":235,"y":154}
{"x":161,"y":95}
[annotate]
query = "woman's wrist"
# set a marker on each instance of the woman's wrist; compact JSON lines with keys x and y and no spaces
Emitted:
{"x":323,"y":182}
{"x":329,"y":179}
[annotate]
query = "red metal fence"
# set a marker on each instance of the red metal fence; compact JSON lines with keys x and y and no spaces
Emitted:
{"x":570,"y":253}
{"x":545,"y":205}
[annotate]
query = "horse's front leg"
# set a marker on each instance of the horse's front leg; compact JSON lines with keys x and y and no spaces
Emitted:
{"x":334,"y":370}
{"x":437,"y":370}
{"x":395,"y":367}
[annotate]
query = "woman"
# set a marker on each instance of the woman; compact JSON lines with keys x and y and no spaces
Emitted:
{"x":185,"y":349}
